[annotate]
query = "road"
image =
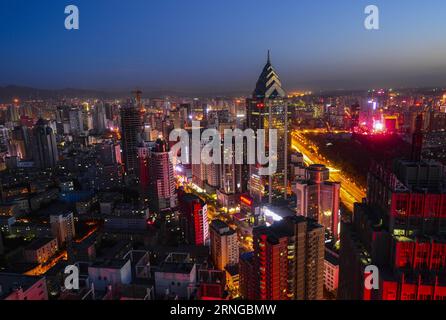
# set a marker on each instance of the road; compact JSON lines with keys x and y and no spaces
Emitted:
{"x":214,"y":212}
{"x":41,"y":269}
{"x":350,"y":191}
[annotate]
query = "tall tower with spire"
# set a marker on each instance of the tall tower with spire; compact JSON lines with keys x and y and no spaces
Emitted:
{"x":268,"y":109}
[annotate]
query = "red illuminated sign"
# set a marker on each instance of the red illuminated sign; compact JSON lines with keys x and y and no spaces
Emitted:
{"x":246,"y":200}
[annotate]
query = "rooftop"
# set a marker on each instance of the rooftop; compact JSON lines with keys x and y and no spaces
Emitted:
{"x":110,"y":264}
{"x":11,"y":281}
{"x":268,"y":85}
{"x":39,"y":243}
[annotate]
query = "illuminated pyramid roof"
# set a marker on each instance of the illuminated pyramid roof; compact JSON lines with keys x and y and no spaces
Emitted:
{"x":269,"y":85}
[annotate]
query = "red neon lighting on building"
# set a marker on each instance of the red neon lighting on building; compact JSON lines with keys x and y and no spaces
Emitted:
{"x":246,"y":200}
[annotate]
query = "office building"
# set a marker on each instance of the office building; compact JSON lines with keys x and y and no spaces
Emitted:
{"x":268,"y":109}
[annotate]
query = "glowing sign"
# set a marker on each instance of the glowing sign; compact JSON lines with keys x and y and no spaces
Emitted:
{"x":246,"y":200}
{"x":270,"y":214}
{"x":378,"y":126}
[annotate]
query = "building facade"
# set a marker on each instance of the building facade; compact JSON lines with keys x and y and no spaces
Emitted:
{"x":224,"y":245}
{"x":399,"y":229}
{"x":318,"y":198}
{"x":288,"y":261}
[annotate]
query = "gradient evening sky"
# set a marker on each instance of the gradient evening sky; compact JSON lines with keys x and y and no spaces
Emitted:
{"x":210,"y":45}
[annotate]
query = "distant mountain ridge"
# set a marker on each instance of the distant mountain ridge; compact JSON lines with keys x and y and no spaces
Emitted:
{"x":8,"y":93}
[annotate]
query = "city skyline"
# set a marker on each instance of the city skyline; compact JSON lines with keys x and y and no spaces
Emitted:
{"x":202,"y":47}
{"x":137,"y":187}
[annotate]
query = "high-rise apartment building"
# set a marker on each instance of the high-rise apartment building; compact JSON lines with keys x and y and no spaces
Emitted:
{"x":248,"y":276}
{"x":157,"y":175}
{"x":195,"y":219}
{"x":224,"y":245}
{"x":45,"y":151}
{"x":318,"y":198}
{"x":288,"y":260}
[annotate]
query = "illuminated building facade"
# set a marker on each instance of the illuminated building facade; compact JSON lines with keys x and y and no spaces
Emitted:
{"x":268,"y":109}
{"x":157,"y":175}
{"x":288,"y":260}
{"x":195,"y":220}
{"x":400,"y":229}
{"x":20,"y":287}
{"x":224,"y":245}
{"x":211,"y":285}
{"x":318,"y":199}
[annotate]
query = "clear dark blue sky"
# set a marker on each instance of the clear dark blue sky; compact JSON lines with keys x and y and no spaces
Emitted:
{"x":206,"y":45}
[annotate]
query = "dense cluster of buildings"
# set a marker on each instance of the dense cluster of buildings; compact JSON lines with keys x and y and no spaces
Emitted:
{"x":94,"y":184}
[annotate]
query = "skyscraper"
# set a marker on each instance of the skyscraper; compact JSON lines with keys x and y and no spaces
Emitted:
{"x":76,"y":121}
{"x":195,"y":220}
{"x":21,"y":142}
{"x":131,"y":127}
{"x":399,"y":229}
{"x":289,"y":260}
{"x":160,"y":176}
{"x":45,"y":151}
{"x":318,"y":199}
{"x":268,"y":109}
{"x":99,"y":118}
{"x":12,"y":114}
{"x":224,"y":245}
